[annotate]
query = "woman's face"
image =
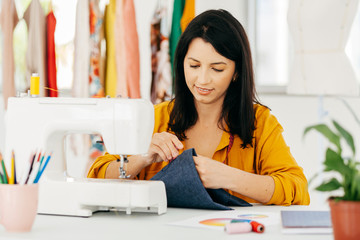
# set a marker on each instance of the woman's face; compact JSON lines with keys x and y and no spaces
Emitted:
{"x":207,"y":73}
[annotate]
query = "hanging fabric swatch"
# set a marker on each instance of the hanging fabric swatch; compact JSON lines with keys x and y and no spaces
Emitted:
{"x":188,"y":14}
{"x":80,"y":143}
{"x":120,"y":51}
{"x":132,"y":50}
{"x":82,"y":50}
{"x":161,"y":84}
{"x":36,"y":50}
{"x":96,"y":22}
{"x":95,"y":82}
{"x":110,"y":73}
{"x":175,"y":29}
{"x":51,"y":59}
{"x":8,"y":21}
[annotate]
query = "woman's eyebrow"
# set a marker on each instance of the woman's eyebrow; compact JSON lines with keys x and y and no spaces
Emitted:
{"x":190,"y":58}
{"x":214,"y":63}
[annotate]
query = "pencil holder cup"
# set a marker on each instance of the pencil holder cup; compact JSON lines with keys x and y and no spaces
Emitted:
{"x":18,"y":206}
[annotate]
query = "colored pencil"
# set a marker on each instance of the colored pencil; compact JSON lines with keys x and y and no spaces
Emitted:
{"x":15,"y":179}
{"x":6,"y":177}
{"x":42,"y":170}
{"x":40,"y":165}
{"x":12,"y":173}
{"x":35,"y":169}
{"x":28,"y":169}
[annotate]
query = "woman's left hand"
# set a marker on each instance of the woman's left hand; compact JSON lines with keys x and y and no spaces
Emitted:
{"x":213,"y":174}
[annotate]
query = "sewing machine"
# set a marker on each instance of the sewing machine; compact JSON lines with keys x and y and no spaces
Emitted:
{"x":126,"y":126}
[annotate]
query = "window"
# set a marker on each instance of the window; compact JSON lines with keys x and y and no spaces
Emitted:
{"x":271,"y":42}
{"x":353,"y":46}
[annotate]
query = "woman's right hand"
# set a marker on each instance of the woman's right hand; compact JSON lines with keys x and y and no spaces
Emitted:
{"x":164,"y":146}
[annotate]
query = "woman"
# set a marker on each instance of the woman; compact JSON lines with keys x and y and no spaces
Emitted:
{"x":239,"y":143}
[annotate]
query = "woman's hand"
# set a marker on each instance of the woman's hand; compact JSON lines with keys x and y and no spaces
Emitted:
{"x":213,"y":174}
{"x":164,"y":147}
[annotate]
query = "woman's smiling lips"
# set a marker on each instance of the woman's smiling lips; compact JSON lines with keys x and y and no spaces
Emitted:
{"x":203,"y":91}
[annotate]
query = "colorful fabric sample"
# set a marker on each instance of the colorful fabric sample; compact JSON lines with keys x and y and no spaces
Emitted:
{"x":188,"y":14}
{"x":8,"y":21}
{"x":36,"y":50}
{"x":132,"y":50}
{"x":175,"y":29}
{"x":96,"y":85}
{"x":161,"y":84}
{"x":51,"y":58}
{"x":110,"y":73}
{"x":82,"y":50}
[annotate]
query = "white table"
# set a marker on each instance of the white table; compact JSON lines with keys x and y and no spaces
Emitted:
{"x":145,"y":226}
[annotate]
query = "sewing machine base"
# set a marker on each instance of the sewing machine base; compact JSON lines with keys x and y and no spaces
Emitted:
{"x":59,"y":195}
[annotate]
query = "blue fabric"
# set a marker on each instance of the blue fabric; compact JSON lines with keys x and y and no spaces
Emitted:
{"x":184,"y":188}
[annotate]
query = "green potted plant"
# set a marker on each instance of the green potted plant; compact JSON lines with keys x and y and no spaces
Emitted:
{"x":345,"y":209}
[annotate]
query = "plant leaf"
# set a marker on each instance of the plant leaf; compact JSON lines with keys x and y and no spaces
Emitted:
{"x":326,"y":132}
{"x":331,"y":185}
{"x":355,"y":188}
{"x":334,"y":162}
{"x":346,"y":135}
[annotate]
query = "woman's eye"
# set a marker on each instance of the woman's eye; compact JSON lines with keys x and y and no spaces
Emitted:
{"x":194,"y":66}
{"x":218,"y":70}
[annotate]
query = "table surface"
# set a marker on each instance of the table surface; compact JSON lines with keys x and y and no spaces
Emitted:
{"x":117,"y":225}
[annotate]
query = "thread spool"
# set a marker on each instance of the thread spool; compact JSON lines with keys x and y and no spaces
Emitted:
{"x":35,"y":85}
{"x":257,"y":227}
{"x":239,"y":227}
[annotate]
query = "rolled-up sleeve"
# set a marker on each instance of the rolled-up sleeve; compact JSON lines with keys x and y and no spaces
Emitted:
{"x":98,"y":168}
{"x":275,"y":159}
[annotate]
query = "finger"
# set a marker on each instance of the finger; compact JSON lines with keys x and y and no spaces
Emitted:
{"x":167,"y":149}
{"x":198,"y":160}
{"x":159,"y":140}
{"x":166,"y":145}
{"x":157,"y":153}
{"x":195,"y":160}
{"x":177,"y":143}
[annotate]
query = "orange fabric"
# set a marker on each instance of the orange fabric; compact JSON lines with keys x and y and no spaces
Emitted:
{"x":269,"y":156}
{"x":51,"y":60}
{"x":132,"y":50}
{"x":111,"y":74}
{"x":188,"y":14}
{"x":120,"y":50}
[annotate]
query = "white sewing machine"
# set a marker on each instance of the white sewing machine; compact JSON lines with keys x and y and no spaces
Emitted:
{"x":126,"y":126}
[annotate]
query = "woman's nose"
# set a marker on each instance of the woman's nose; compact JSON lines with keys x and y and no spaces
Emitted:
{"x":204,"y":77}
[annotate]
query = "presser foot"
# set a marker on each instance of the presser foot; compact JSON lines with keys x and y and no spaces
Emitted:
{"x":122,"y":172}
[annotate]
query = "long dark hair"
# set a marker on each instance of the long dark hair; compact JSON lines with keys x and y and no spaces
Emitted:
{"x":228,"y":37}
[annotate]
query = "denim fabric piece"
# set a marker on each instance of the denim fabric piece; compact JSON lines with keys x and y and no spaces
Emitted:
{"x":185,"y":189}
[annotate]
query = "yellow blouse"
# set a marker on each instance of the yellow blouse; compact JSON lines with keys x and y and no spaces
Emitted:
{"x":269,"y":156}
